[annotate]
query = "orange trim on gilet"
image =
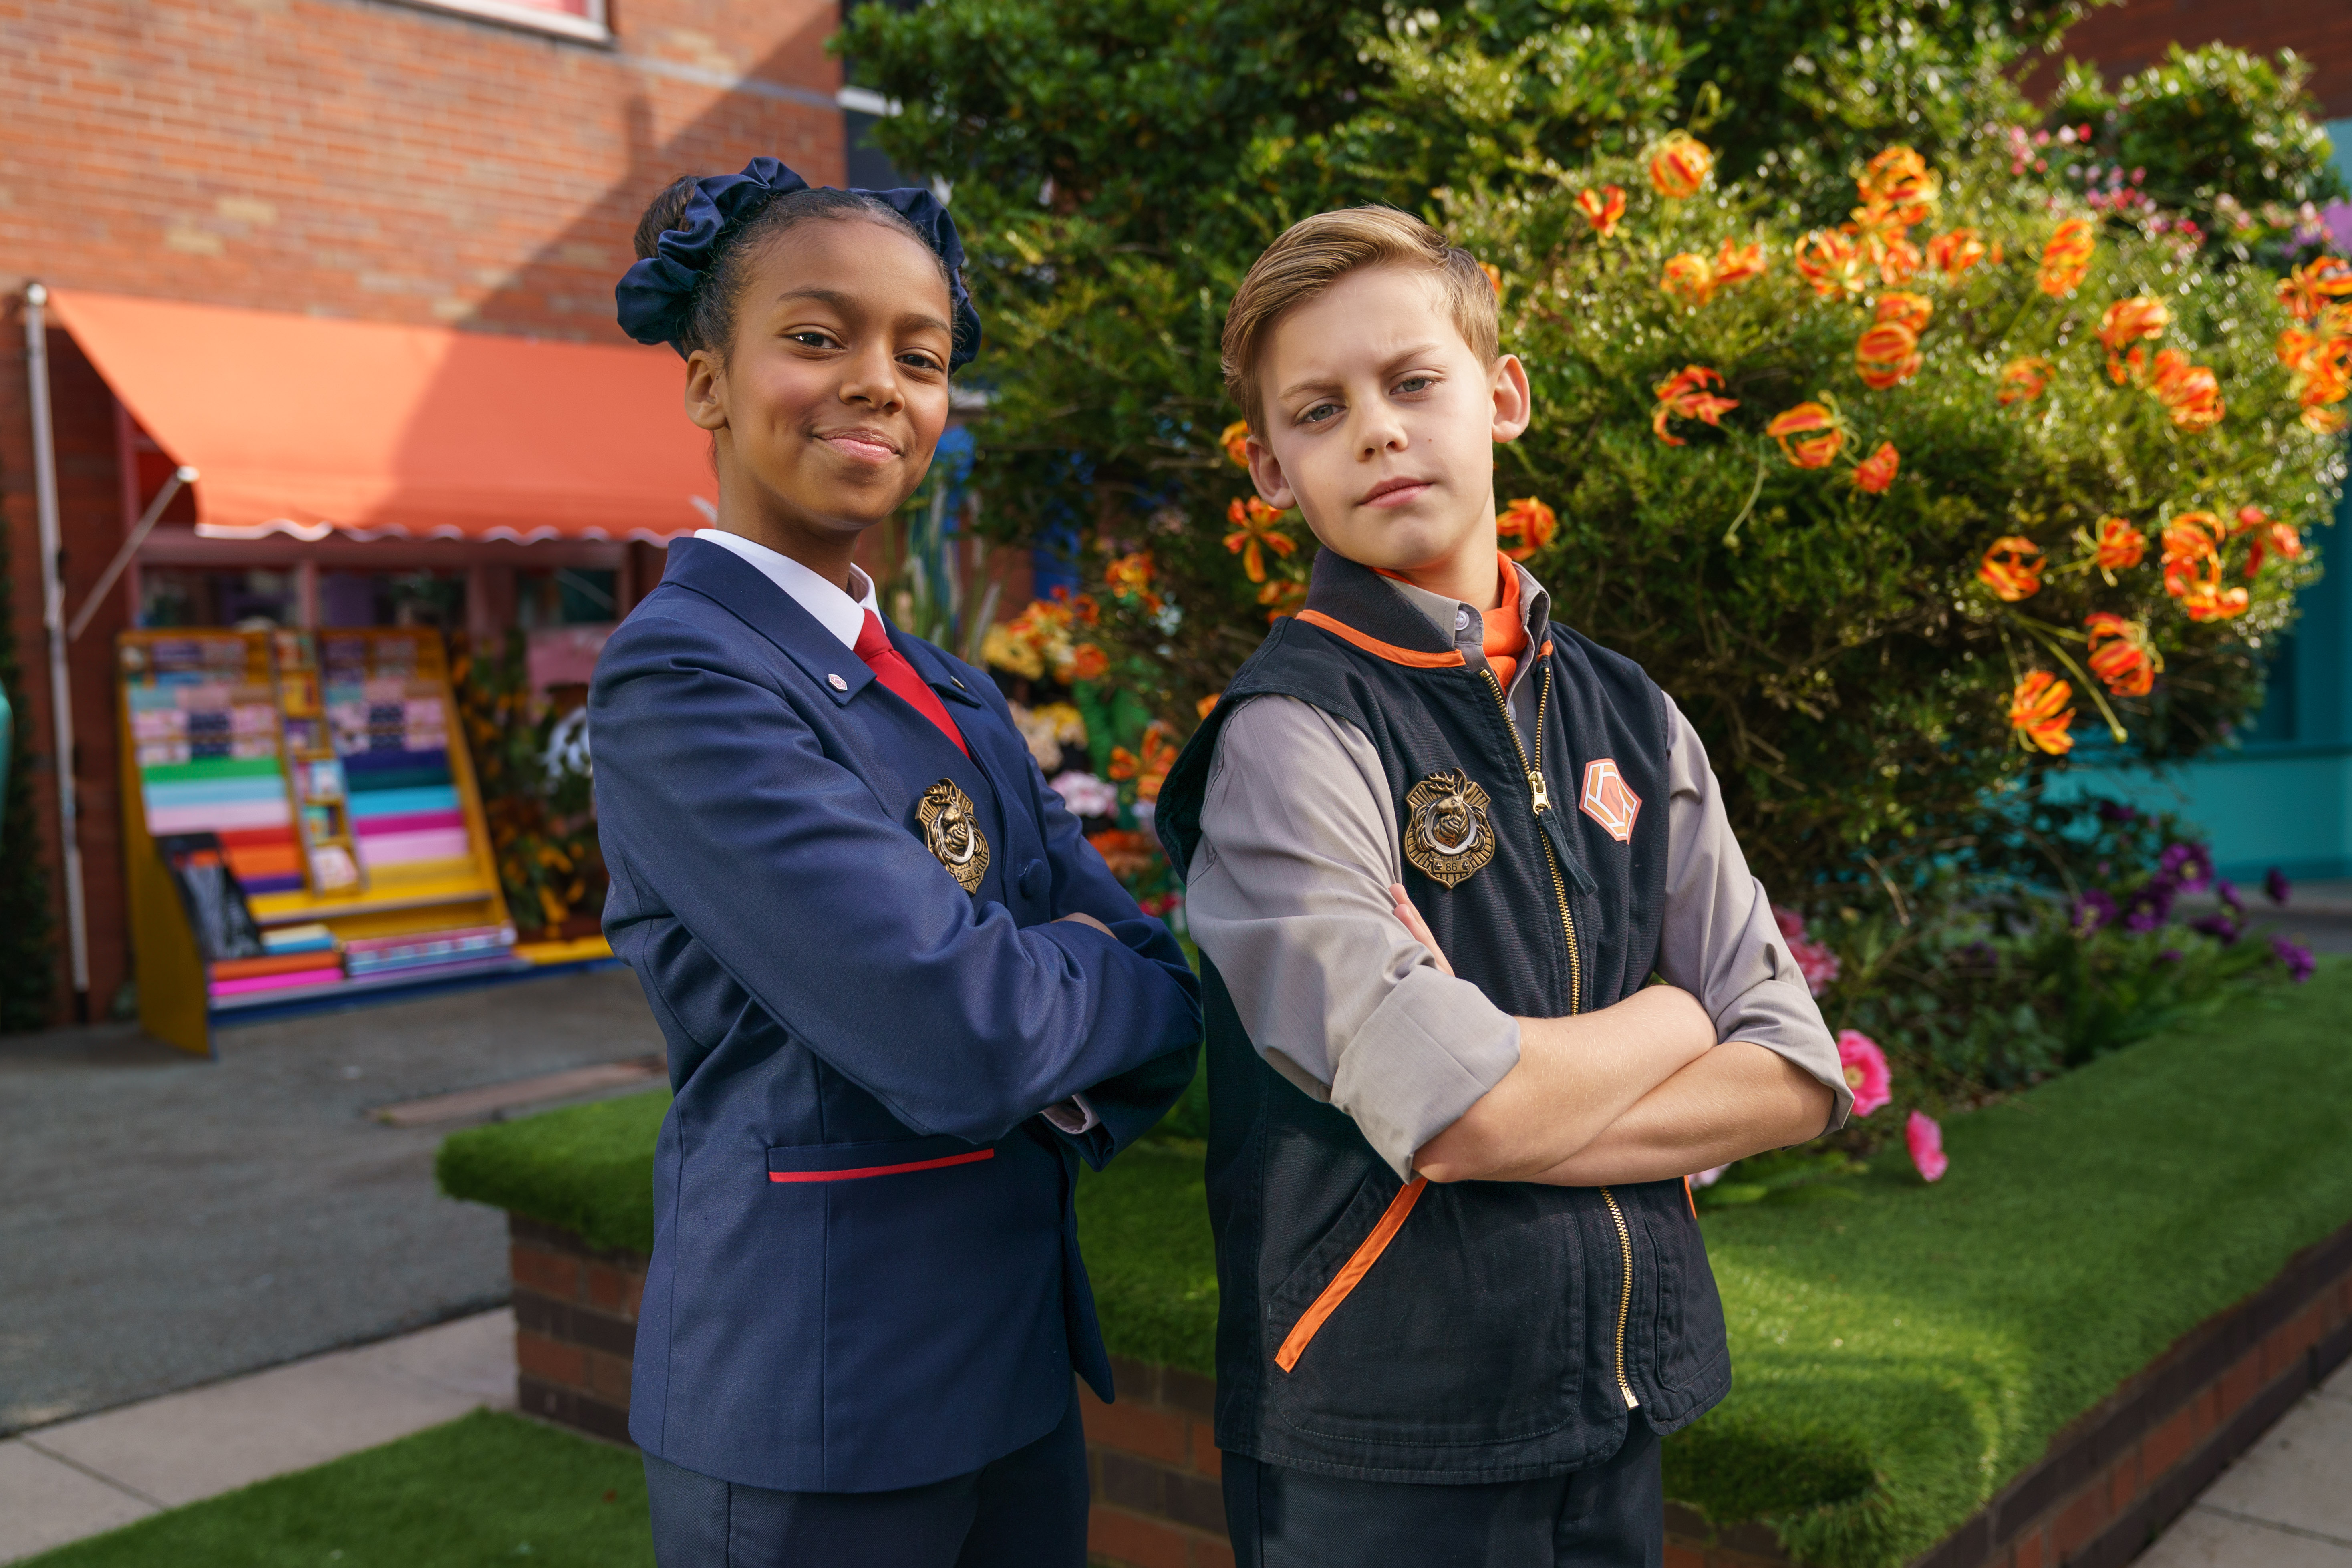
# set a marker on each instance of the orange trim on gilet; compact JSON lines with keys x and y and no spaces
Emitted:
{"x":1449,"y":660}
{"x":1351,"y":1276}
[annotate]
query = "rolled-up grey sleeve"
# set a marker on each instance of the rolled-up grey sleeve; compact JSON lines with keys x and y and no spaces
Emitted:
{"x":1287,"y":895}
{"x":1720,"y":942}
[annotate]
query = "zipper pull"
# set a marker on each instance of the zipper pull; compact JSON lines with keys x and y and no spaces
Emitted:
{"x":1557,"y":831}
{"x":1542,"y":791}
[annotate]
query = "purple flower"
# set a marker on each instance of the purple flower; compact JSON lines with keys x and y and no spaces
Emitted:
{"x":2227,"y":891}
{"x":2094,"y":911}
{"x":2276,"y":886}
{"x":2337,"y":216}
{"x":2220,"y":926}
{"x":2117,"y":812}
{"x":2295,"y":956}
{"x":2151,"y":904}
{"x":2169,"y":955}
{"x":2188,"y":865}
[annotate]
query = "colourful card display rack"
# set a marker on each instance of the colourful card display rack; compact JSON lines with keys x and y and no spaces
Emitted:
{"x":331,"y":768}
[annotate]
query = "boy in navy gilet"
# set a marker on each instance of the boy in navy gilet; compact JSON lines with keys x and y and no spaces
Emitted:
{"x":1463,"y":1293}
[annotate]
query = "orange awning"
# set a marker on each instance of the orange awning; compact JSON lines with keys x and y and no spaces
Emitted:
{"x":301,"y":426}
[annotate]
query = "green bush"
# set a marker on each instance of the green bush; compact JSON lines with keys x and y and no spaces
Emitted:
{"x":1117,"y":164}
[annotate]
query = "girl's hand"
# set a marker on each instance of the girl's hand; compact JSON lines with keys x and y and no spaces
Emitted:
{"x":1086,"y":920}
{"x":1419,"y":928}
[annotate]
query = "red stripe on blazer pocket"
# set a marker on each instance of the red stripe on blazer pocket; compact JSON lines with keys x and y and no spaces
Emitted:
{"x":857,"y":1162}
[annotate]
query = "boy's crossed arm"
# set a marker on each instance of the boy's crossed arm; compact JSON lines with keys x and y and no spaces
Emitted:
{"x":1637,"y":1092}
{"x":1345,"y":994}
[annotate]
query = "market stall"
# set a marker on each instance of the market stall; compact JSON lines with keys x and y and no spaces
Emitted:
{"x":318,"y":519}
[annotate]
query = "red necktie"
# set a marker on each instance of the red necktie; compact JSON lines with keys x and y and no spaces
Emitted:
{"x":891,"y":669}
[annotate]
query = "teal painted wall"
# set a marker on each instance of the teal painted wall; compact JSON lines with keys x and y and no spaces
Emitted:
{"x":2284,"y":797}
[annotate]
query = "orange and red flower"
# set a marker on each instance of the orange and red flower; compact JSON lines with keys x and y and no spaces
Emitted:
{"x":2119,"y":548}
{"x":1809,"y":433}
{"x":2322,"y":365}
{"x":2023,"y":380}
{"x":1898,"y":179}
{"x":1605,"y":208}
{"x":1131,"y":575}
{"x":1684,"y":395}
{"x":2189,"y":392}
{"x":1127,"y":853}
{"x":2279,"y":539}
{"x":2192,"y":556}
{"x":1235,"y":441}
{"x":1494,"y":276}
{"x":1284,"y":595}
{"x":2121,"y":655}
{"x":2067,"y":259}
{"x":1149,"y":770}
{"x":1831,"y":262}
{"x":2314,"y":286}
{"x":1680,"y":166}
{"x":1088,"y":662}
{"x":1886,"y":355}
{"x":1693,"y":277}
{"x":1875,"y":472}
{"x":1954,"y":253}
{"x":1912,"y":310}
{"x":2128,"y":321}
{"x":1530,"y":523}
{"x":2039,"y":715}
{"x":1256,"y":530}
{"x":2012,"y":567}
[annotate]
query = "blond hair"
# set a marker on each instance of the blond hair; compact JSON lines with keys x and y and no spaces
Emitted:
{"x":1317,"y":252}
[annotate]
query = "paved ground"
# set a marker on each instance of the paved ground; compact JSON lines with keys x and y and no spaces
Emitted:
{"x":167,"y":1222}
{"x":83,"y":1477}
{"x":2287,"y":1504}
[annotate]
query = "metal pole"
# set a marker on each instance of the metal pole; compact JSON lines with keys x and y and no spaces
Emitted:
{"x":53,"y":618}
{"x":182,"y":475}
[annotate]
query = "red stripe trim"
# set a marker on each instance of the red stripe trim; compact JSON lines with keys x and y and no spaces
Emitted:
{"x":880,"y":1170}
{"x":1450,"y":659}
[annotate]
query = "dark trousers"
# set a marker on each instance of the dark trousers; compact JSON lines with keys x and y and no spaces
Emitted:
{"x":1610,"y":1516}
{"x":1027,"y":1510}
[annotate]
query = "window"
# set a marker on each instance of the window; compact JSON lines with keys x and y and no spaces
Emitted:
{"x":582,"y":19}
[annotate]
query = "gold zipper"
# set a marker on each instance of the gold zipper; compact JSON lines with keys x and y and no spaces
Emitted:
{"x":1625,"y":1295}
{"x":1539,"y":799}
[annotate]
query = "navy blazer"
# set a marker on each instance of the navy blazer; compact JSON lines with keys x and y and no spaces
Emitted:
{"x":865,"y":1270}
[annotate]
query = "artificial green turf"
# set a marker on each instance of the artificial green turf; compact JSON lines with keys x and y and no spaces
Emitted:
{"x":1898,"y":1360}
{"x":485,"y":1489}
{"x":588,"y":1168}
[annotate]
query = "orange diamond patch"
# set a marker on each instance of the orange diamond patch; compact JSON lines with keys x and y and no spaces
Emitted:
{"x":1607,"y":800}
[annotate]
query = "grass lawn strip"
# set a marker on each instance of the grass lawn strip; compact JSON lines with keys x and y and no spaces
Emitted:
{"x":1898,"y":1359}
{"x":588,"y":1168}
{"x":485,"y":1489}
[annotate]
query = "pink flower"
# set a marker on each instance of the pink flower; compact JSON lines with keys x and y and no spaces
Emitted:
{"x":1927,"y":1141}
{"x":1866,"y":1070}
{"x":1814,"y":960}
{"x":1709,"y":1177}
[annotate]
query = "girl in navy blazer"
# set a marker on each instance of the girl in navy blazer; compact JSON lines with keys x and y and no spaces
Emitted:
{"x":903,"y":997}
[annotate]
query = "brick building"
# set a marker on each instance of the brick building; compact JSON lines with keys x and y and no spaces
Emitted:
{"x":466,"y":164}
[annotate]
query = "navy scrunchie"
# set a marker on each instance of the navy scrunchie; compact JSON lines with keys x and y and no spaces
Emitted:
{"x":656,"y":295}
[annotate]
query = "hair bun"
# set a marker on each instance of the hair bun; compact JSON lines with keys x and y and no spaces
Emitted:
{"x":678,"y":241}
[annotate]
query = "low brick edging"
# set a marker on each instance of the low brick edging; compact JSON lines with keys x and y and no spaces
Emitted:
{"x":2109,"y":1482}
{"x":2120,"y":1472}
{"x":575,"y":1309}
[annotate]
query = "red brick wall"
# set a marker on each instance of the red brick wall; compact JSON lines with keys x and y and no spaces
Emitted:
{"x":2124,"y":38}
{"x":359,"y":158}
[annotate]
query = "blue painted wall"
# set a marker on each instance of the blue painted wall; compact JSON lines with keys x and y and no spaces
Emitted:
{"x":2284,"y":797}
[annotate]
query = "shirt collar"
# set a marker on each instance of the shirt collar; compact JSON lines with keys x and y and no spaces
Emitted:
{"x":836,"y":612}
{"x":1459,"y":622}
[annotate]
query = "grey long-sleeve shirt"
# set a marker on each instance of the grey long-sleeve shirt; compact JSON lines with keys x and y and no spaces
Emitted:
{"x":1288,"y":896}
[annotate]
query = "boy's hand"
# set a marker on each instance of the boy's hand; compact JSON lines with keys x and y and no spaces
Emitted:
{"x":1419,"y":927}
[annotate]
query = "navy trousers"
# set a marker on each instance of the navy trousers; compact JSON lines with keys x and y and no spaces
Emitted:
{"x":1610,"y":1516}
{"x":1027,"y":1510}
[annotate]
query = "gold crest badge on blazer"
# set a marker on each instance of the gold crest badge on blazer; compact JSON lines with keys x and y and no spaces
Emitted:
{"x":952,"y":831}
{"x":1446,"y":835}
